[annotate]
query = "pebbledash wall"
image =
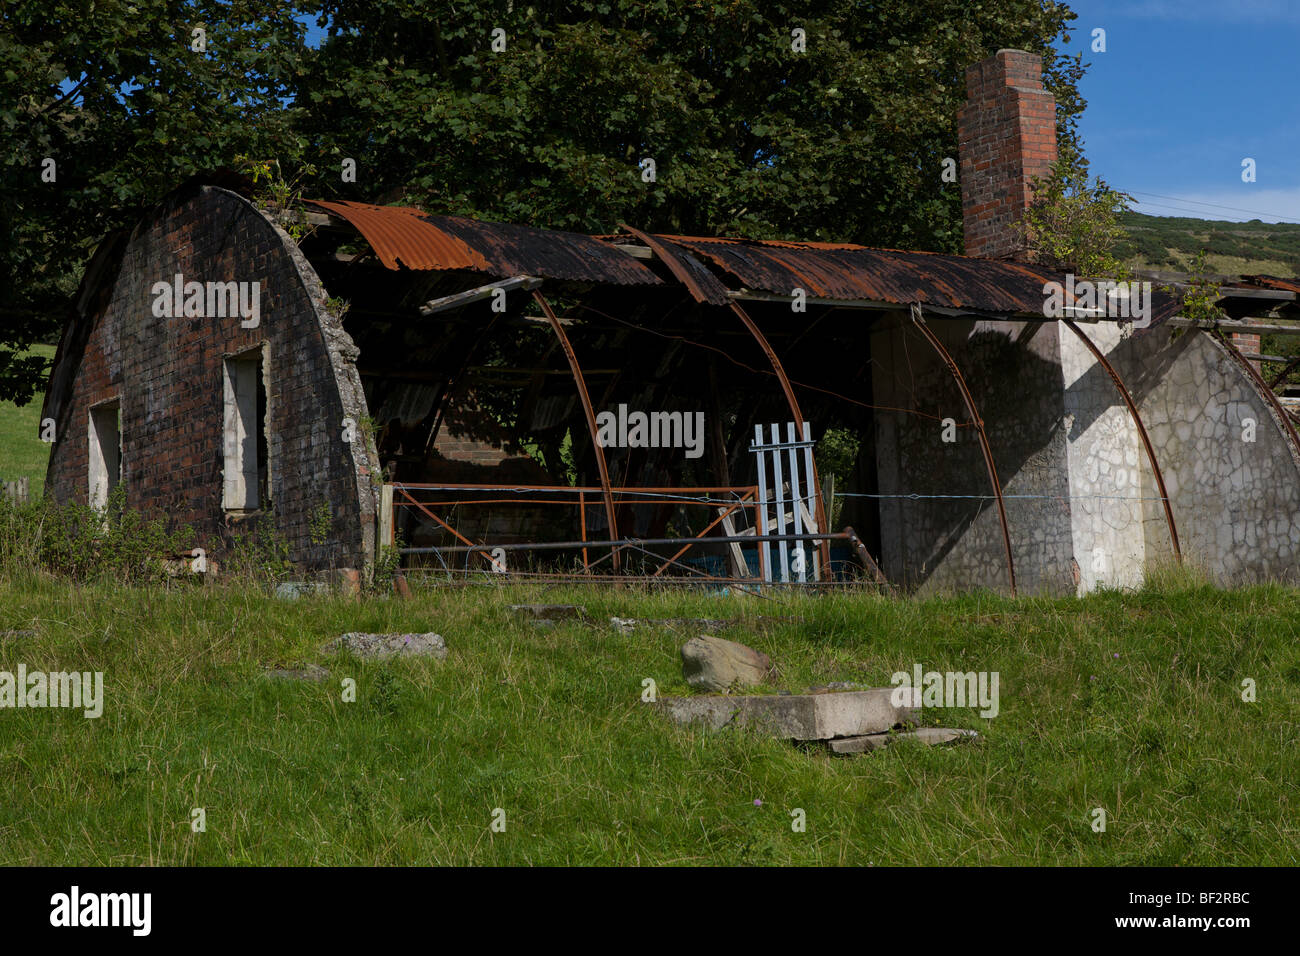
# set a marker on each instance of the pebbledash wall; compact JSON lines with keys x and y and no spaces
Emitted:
{"x":1082,"y":502}
{"x":168,"y":374}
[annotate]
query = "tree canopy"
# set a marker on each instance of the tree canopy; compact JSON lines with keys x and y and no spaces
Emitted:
{"x":827,"y":119}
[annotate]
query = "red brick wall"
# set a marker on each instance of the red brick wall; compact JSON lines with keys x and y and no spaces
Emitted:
{"x":469,"y":435}
{"x":1248,"y":344}
{"x":1006,"y":135}
{"x":167,"y":374}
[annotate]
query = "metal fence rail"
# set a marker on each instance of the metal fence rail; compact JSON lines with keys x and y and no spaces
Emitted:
{"x":727,"y":503}
{"x":786,"y":486}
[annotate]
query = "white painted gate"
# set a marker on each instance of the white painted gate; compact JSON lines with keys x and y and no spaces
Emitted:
{"x":785,"y":480}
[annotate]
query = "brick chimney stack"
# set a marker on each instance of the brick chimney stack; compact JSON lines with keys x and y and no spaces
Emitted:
{"x":1006,"y":135}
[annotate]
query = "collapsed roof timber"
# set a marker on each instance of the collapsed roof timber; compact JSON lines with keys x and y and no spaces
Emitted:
{"x":460,"y":387}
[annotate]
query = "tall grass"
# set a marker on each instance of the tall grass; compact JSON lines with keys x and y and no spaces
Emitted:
{"x":1130,"y":702}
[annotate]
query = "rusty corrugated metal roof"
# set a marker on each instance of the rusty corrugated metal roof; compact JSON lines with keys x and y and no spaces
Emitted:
{"x":1273,"y":282}
{"x":401,"y":239}
{"x":550,"y":253}
{"x":858,"y":273}
{"x":405,"y":237}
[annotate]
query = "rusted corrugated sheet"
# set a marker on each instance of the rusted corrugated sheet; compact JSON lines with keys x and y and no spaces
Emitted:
{"x":550,"y":253}
{"x":1273,"y":282}
{"x":703,"y":285}
{"x":406,"y":237}
{"x":401,"y":238}
{"x":858,"y":273}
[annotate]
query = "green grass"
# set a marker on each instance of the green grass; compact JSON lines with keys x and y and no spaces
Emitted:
{"x":22,"y":453}
{"x":1128,"y":702}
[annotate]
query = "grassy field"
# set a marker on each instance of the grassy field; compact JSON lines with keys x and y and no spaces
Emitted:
{"x":22,"y":453}
{"x":1232,"y":248}
{"x":1127,"y":702}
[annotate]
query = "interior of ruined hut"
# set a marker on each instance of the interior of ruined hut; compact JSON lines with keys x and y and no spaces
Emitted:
{"x":480,"y":393}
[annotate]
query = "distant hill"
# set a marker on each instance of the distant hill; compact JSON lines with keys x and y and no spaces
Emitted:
{"x":1168,"y":243}
{"x":1232,"y":248}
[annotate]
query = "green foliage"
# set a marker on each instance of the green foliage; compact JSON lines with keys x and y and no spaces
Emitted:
{"x":258,"y":552}
{"x":1073,"y":223}
{"x":566,"y":459}
{"x":115,"y":95}
{"x":837,"y":453}
{"x":84,"y":544}
{"x":1172,"y":242}
{"x":1201,"y":294}
{"x":339,"y":308}
{"x":281,"y":196}
{"x":320,"y":523}
{"x":388,"y":565}
{"x":22,"y":453}
{"x":843,"y":141}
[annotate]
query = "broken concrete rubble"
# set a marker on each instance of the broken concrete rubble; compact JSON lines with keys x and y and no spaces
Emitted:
{"x":549,"y":612}
{"x":292,"y":590}
{"x":383,"y":646}
{"x":629,"y":624}
{"x":794,"y":716}
{"x":930,"y":736}
{"x":312,"y":672}
{"x":715,"y":664}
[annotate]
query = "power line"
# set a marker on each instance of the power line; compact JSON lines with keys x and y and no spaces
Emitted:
{"x":1185,"y":211}
{"x":1197,"y":202}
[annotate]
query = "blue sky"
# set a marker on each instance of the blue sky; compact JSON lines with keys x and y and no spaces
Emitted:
{"x":1184,"y":92}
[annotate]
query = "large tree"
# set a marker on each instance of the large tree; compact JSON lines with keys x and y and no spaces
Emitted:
{"x":116,"y":94}
{"x":827,"y":119}
{"x":843,"y":139}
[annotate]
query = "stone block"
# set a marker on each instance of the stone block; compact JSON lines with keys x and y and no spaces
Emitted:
{"x":383,"y":646}
{"x":794,"y":716}
{"x":715,"y":664}
{"x":929,"y":736}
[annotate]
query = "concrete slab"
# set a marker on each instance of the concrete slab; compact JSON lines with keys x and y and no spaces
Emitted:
{"x":312,"y":672}
{"x":292,"y":590}
{"x":382,"y":646}
{"x":793,"y":716}
{"x":930,"y":736}
{"x":548,"y":612}
{"x":629,"y":624}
